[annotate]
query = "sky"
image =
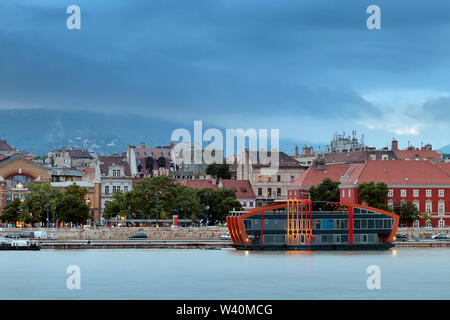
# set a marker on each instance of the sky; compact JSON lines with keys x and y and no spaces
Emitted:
{"x":308,"y":68}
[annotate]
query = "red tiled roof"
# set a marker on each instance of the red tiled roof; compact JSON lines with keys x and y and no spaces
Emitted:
{"x":198,"y":184}
{"x":399,"y":172}
{"x":5,"y":147}
{"x":107,"y":161}
{"x":243,"y":188}
{"x":80,"y":154}
{"x":416,"y":153}
{"x":314,"y":176}
{"x":444,"y":167}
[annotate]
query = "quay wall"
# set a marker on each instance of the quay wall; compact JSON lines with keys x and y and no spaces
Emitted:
{"x":189,"y":233}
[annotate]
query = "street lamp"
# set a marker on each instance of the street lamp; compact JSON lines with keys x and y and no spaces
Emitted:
{"x":157,"y":207}
{"x":48,"y":208}
{"x":207,"y":194}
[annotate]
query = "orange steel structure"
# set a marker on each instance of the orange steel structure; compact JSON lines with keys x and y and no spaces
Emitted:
{"x":299,"y":222}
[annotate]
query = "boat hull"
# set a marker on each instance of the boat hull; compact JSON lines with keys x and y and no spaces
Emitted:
{"x":378,"y":246}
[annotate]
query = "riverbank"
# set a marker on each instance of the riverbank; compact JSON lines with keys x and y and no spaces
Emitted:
{"x":187,"y":244}
{"x":135,"y":244}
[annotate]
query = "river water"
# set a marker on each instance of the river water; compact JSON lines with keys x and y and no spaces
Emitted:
{"x":405,"y":273}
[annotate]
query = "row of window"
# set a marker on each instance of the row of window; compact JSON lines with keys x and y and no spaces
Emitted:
{"x":428,"y":206}
{"x":116,"y":173}
{"x":269,"y":178}
{"x":343,"y":238}
{"x":115,"y":189}
{"x":269,"y":192}
{"x":403,"y":192}
{"x":342,"y":224}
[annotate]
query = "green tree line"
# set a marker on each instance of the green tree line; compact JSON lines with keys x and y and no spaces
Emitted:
{"x":68,"y":205}
{"x":140,"y":202}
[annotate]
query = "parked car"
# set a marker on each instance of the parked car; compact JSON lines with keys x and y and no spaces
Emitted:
{"x":441,"y":236}
{"x":12,"y":236}
{"x":40,"y":235}
{"x":138,"y":236}
{"x":26,"y":234}
{"x":225,"y":236}
{"x":401,"y":237}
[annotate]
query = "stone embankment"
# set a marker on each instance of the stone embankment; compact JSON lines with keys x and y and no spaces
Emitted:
{"x":189,"y":233}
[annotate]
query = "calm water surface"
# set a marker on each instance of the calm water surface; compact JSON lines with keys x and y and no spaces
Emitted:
{"x":406,"y":273}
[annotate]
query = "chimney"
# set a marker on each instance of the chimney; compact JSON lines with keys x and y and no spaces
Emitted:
{"x":143,"y":144}
{"x":394,"y":145}
{"x":307,"y":151}
{"x":296,"y":151}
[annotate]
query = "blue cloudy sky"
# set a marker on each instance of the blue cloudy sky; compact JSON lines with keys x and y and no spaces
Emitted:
{"x":307,"y":67}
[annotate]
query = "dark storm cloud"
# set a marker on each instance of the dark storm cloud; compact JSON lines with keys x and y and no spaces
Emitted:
{"x":282,"y":57}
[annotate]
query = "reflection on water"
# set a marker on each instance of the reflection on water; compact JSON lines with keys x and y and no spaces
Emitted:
{"x":406,"y":273}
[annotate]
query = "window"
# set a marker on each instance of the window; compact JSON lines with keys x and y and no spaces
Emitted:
{"x":269,"y":179}
{"x":118,"y":188}
{"x":251,"y":205}
{"x":356,"y":224}
{"x":114,"y":173}
{"x":391,"y":193}
{"x":441,"y":208}
{"x":292,"y":178}
{"x":364,"y":224}
{"x":326,"y":224}
{"x":429,"y":223}
{"x":278,"y":178}
{"x":428,"y":207}
{"x":269,"y":191}
{"x":378,"y":224}
{"x":416,"y":224}
{"x":349,"y":192}
{"x":259,"y":191}
{"x":343,"y":193}
{"x":125,"y":189}
{"x":441,"y":223}
{"x":118,"y":173}
{"x":403,"y":193}
{"x":107,"y":189}
{"x":428,"y":193}
{"x":416,"y":193}
{"x":114,"y":189}
{"x":441,"y":193}
{"x":370,"y":224}
{"x":344,"y":238}
{"x":317,"y":224}
{"x":259,"y":178}
{"x":279,"y":192}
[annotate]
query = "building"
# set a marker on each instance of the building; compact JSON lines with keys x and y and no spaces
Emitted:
{"x":342,"y":143}
{"x":6,"y":150}
{"x":359,"y":156}
{"x":146,"y":162}
{"x":308,"y":155}
{"x":425,"y":153}
{"x":198,"y":184}
{"x":420,"y":182}
{"x":115,"y":176}
{"x":16,"y":172}
{"x":93,"y":198}
{"x":315,"y":174}
{"x":71,"y":158}
{"x":244,"y":191}
{"x":268,"y":187}
{"x":65,"y":174}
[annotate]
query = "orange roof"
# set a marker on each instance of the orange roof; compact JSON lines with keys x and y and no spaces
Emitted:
{"x":414,"y":154}
{"x":198,"y":184}
{"x":314,"y":176}
{"x":398,"y":172}
{"x":243,"y":188}
{"x":444,"y":167}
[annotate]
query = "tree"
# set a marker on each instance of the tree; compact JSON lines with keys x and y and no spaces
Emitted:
{"x":12,"y":211}
{"x":327,"y":190}
{"x":408,"y":212}
{"x":72,"y":205}
{"x":72,"y":209}
{"x":221,"y":171}
{"x":35,"y":204}
{"x":220,"y":203}
{"x":375,"y":194}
